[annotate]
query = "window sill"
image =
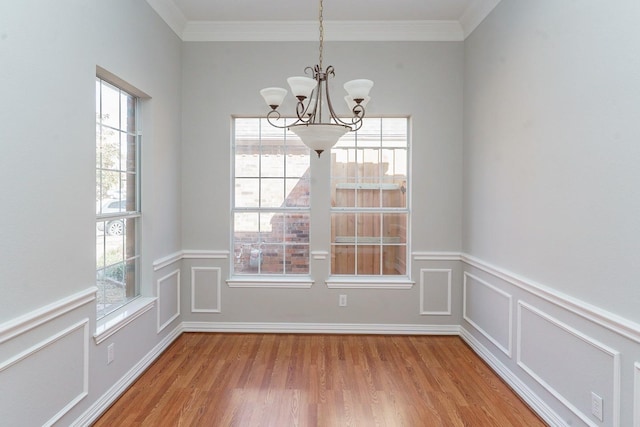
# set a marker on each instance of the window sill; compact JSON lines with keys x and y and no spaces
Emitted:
{"x":369,"y":282}
{"x":113,"y":322}
{"x":304,"y":282}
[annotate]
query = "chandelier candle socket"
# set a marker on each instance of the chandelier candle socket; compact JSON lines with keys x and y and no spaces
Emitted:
{"x":312,"y":94}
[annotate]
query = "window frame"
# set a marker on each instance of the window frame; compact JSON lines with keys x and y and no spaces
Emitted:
{"x":283,"y":279}
{"x":130,"y":216}
{"x":381,"y":281}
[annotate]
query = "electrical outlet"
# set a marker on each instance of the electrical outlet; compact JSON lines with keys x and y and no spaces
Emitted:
{"x":342,"y":301}
{"x":110,"y":353}
{"x":596,"y":406}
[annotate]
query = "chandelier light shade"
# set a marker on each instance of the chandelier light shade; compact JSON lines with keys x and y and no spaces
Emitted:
{"x":314,"y":100}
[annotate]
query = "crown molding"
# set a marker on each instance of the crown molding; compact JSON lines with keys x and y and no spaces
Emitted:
{"x":475,"y":14}
{"x":282,"y":31}
{"x":171,"y":14}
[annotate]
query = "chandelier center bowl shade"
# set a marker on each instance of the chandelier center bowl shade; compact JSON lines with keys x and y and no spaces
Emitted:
{"x":316,"y":122}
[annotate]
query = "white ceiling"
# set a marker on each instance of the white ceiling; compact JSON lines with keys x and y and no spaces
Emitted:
{"x":295,"y":20}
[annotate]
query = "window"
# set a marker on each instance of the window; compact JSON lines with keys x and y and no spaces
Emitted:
{"x":369,"y":213}
{"x":117,"y":197}
{"x":271,"y":200}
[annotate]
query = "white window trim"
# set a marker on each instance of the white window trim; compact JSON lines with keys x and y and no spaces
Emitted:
{"x":369,"y":282}
{"x":120,"y":318}
{"x":274,"y":281}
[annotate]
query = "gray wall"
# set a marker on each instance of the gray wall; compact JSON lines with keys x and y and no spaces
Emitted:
{"x":524,"y":204}
{"x":551,"y":149}
{"x":48,"y":57}
{"x":551,"y":205}
{"x":421,"y":80}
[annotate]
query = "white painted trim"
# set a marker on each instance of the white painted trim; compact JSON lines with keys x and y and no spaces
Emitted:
{"x":117,"y":320}
{"x":636,"y":394}
{"x":111,"y":395}
{"x":615,"y":355}
{"x":446,"y":312}
{"x":476,"y":12}
{"x":171,"y":14}
{"x":436,"y":256}
{"x":358,"y":282}
{"x":204,"y":254}
{"x":193,"y":290}
{"x":167,"y":260}
{"x":322,"y":328}
{"x":282,"y":31}
{"x":84,"y":324}
{"x":608,"y":320}
{"x":320,"y":255}
{"x":508,"y":350}
{"x":177,"y":314}
{"x":35,"y":318}
{"x":278,"y":282}
{"x":536,"y":403}
{"x":188,"y":254}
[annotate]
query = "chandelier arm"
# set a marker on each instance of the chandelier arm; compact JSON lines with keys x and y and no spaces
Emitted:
{"x":302,"y":112}
{"x":275,"y":115}
{"x":358,"y":110}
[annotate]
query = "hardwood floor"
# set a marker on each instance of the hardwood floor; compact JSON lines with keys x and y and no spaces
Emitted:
{"x":206,"y":379}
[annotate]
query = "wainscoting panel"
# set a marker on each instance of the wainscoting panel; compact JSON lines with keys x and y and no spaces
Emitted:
{"x":435,"y":291}
{"x":42,"y":383}
{"x":569,"y":364}
{"x":168,"y":291}
{"x":205,"y":289}
{"x":489,"y":310}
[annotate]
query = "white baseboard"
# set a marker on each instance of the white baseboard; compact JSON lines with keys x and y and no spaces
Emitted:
{"x":520,"y":388}
{"x":321,"y":328}
{"x":108,"y":398}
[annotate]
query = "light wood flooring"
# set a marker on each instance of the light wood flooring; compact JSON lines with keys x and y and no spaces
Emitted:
{"x":247,"y":380}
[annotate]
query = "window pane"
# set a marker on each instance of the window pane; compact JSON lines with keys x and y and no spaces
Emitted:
{"x":371,"y":181}
{"x":368,"y":259}
{"x":297,"y":228}
{"x":110,"y":105}
{"x":394,"y":228}
{"x":273,"y":259}
{"x":247,"y":159}
{"x":248,"y":257}
{"x":272,"y":227}
{"x":368,"y":195}
{"x":370,"y":133}
{"x":272,"y":160}
{"x":394,"y":259}
{"x":297,"y":190}
{"x":369,"y":227}
{"x":343,"y":259}
{"x":272,"y":193}
{"x":109,"y":149}
{"x":343,"y":228}
{"x":297,"y":158}
{"x":117,"y":147}
{"x":395,"y":132}
{"x":395,"y":162}
{"x":271,"y":177}
{"x":297,"y":259}
{"x":109,"y":188}
{"x":247,"y":193}
{"x":245,"y":223}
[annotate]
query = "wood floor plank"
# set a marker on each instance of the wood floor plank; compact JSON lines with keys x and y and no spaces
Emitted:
{"x":255,"y":380}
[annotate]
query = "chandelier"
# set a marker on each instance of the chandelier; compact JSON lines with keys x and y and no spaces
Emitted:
{"x":312,"y":94}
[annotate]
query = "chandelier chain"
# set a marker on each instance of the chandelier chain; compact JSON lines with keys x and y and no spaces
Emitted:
{"x":321,"y":34}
